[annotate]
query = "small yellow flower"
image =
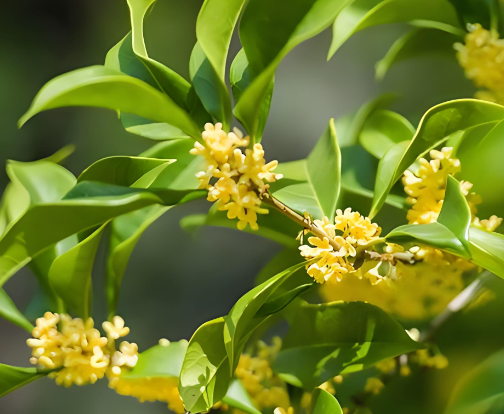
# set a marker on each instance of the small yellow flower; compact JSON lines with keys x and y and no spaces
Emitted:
{"x":349,"y":231}
{"x":116,"y":328}
{"x":482,"y":58}
{"x":281,"y":410}
{"x":374,"y":385}
{"x":234,"y":180}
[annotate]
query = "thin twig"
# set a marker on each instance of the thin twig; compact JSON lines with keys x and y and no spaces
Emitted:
{"x":299,"y":219}
{"x":456,"y":305}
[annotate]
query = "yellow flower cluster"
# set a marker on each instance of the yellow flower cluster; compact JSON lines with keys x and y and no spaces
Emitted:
{"x":426,"y":188}
{"x":374,"y":385}
{"x":265,"y":388}
{"x":76,"y":351}
{"x":144,"y":389}
{"x":349,"y":231}
{"x":238,"y":183}
{"x":482,"y":58}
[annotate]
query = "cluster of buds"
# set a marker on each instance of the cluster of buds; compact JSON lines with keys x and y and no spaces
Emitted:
{"x":76,"y":351}
{"x":234,"y":180}
{"x":336,"y":250}
{"x":482,"y":57}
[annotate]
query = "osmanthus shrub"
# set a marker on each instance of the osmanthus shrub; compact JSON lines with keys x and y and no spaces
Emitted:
{"x":384,"y":225}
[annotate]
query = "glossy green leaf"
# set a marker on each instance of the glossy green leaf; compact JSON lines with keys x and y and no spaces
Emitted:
{"x":418,"y":42}
{"x":455,"y":214}
{"x":281,"y":301}
{"x":70,"y":274}
{"x":362,"y":14}
{"x":89,"y":204}
{"x":480,"y":390}
{"x":324,"y":403}
{"x":12,"y":378}
{"x":238,"y":397}
{"x":478,"y":153}
{"x":247,"y":307}
{"x":160,"y":361}
{"x":209,"y":87}
{"x":157,"y":131}
{"x":382,"y":130}
{"x":125,"y":232}
{"x":240,"y":78}
{"x":286,"y":257}
{"x":121,"y":170}
{"x":10,"y":312}
{"x":323,"y":166}
{"x":98,"y":86}
{"x":215,"y":39}
{"x":487,"y":250}
{"x":40,"y":182}
{"x":435,"y":127}
{"x":328,"y":339}
{"x":268,"y":32}
{"x":432,"y":234}
{"x":204,"y":378}
{"x":180,"y":175}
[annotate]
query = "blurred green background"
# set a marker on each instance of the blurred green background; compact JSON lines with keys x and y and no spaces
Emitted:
{"x":175,"y":282}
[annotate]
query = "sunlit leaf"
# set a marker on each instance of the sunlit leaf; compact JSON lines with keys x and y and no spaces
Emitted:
{"x":324,"y":403}
{"x":382,"y":130}
{"x":89,"y":204}
{"x":487,"y":250}
{"x":70,"y":274}
{"x":160,"y":361}
{"x":102,"y":87}
{"x":121,"y":170}
{"x":362,"y":14}
{"x":435,"y":127}
{"x":328,"y":339}
{"x":238,"y":397}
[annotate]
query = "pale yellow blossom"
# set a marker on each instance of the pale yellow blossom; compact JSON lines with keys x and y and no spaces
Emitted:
{"x":234,"y":180}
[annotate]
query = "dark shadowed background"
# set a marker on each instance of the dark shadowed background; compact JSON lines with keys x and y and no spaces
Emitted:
{"x":174,"y":282}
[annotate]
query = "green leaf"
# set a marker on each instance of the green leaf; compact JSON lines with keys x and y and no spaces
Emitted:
{"x":480,"y":389}
{"x":89,"y":204}
{"x":103,"y":87}
{"x":247,"y":307}
{"x":70,"y":274}
{"x":382,"y":130}
{"x":122,"y":170}
{"x":12,"y":378}
{"x":125,"y":233}
{"x":180,"y":175}
{"x":478,"y":154}
{"x":209,"y":87}
{"x":286,"y":257}
{"x":362,"y":14}
{"x":157,"y":131}
{"x":323,"y":166}
{"x":324,"y":403}
{"x":328,"y":339}
{"x":215,"y":39}
{"x":268,"y":32}
{"x":418,"y":42}
{"x":238,"y":397}
{"x":240,"y":78}
{"x":432,"y":234}
{"x":204,"y":378}
{"x":487,"y":250}
{"x":455,"y":214}
{"x":10,"y":312}
{"x":160,"y":361}
{"x":435,"y":127}
{"x":281,"y":301}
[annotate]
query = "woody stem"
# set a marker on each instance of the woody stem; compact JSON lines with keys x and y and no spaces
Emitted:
{"x":299,"y":219}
